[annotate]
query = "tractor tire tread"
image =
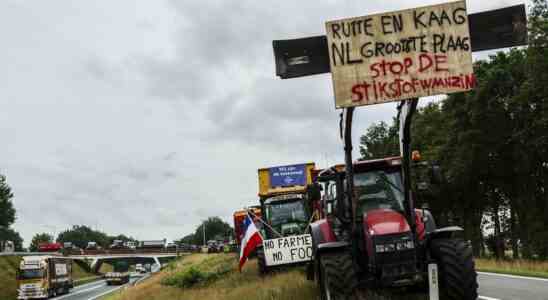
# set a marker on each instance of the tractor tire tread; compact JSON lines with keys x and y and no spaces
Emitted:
{"x":341,"y":277}
{"x":457,"y":274}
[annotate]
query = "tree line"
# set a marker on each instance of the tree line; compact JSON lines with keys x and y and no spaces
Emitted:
{"x":492,"y":145}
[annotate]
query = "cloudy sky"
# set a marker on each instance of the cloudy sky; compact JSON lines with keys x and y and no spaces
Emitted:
{"x":145,"y":117}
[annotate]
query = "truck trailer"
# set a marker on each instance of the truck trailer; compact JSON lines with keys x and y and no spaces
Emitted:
{"x":119,"y":275}
{"x":41,"y":277}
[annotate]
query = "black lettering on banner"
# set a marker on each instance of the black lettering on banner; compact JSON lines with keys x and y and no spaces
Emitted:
{"x":308,"y":239}
{"x":277,"y":256}
{"x":417,"y":19}
{"x":292,"y":241}
{"x":302,"y":253}
{"x":269,"y":244}
{"x":293,"y":253}
{"x":335,"y":27}
{"x":286,"y":243}
{"x":280,"y":241}
{"x":367,"y":26}
{"x":459,"y":15}
{"x":337,"y":53}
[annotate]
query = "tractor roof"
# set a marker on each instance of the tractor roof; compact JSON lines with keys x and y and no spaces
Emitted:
{"x":364,"y":165}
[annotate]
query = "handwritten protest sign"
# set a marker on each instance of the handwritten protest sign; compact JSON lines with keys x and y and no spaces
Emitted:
{"x":400,"y":55}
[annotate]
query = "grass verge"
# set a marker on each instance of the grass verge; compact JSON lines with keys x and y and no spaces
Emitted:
{"x":215,"y":276}
{"x":513,"y":267}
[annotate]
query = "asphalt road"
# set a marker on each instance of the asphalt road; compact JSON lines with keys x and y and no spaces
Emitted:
{"x":95,"y":290}
{"x":508,"y":287}
{"x":491,"y":287}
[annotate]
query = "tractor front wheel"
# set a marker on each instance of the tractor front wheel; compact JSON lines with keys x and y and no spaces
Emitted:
{"x":457,"y":273}
{"x":337,"y":277}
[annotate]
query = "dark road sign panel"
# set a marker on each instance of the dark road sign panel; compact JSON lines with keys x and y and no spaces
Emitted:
{"x":501,"y":28}
{"x":301,"y":57}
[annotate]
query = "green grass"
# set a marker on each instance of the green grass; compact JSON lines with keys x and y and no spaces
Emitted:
{"x":178,"y":282}
{"x":8,"y":284}
{"x":513,"y":267}
{"x":8,"y":266}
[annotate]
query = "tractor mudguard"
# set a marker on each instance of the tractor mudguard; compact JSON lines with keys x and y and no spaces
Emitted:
{"x":445,"y":232}
{"x":330,"y":246}
{"x":321,"y":232}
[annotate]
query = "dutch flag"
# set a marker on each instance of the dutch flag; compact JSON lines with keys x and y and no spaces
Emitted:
{"x":252,"y":238}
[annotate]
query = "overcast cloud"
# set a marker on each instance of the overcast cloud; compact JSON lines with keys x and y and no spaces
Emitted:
{"x":146,"y":117}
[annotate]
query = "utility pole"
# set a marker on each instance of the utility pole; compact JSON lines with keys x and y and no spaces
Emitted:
{"x":203,"y":231}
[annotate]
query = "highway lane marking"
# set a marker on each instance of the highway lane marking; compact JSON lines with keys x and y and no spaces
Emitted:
{"x":79,"y":292}
{"x":487,"y":298}
{"x":89,"y":283}
{"x":513,"y":276}
{"x":107,"y":292}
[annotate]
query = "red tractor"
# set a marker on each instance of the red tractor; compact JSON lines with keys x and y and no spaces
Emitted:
{"x":373,"y":237}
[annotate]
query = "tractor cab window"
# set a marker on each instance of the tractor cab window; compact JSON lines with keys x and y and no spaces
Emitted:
{"x":379,"y":190}
{"x":285,"y":212}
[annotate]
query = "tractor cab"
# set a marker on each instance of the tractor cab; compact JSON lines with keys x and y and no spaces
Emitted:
{"x":372,"y":236}
{"x":386,"y":244}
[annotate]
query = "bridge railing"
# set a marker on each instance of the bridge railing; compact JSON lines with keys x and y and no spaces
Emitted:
{"x":124,"y":251}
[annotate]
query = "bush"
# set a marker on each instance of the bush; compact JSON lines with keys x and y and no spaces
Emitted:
{"x":202,"y":274}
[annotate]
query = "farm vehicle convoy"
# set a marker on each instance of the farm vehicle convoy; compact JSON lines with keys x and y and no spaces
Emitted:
{"x":355,"y":225}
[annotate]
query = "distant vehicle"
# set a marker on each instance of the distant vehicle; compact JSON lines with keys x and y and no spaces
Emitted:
{"x":172,"y":246}
{"x":120,"y":274}
{"x":139,"y":268}
{"x":148,"y":268}
{"x":239,"y":217}
{"x":130,"y":244}
{"x":67,"y":245}
{"x":49,"y":247}
{"x":44,"y":277}
{"x":152,"y":244}
{"x":117,"y":244}
{"x":7,"y":246}
{"x":92,"y":246}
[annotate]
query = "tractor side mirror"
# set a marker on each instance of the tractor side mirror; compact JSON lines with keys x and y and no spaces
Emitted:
{"x":313,"y":191}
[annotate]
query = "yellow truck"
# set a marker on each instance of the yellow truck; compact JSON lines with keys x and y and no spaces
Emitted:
{"x":286,"y":213}
{"x":44,"y":276}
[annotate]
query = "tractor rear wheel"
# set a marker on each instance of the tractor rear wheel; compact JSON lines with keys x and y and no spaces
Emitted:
{"x":263,"y":269}
{"x":457,"y":273}
{"x":337,"y":277}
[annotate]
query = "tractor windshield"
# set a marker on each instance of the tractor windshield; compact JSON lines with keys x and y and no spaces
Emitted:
{"x":379,"y":189}
{"x":284,"y":212}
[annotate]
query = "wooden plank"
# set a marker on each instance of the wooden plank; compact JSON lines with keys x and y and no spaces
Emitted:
{"x":399,"y":55}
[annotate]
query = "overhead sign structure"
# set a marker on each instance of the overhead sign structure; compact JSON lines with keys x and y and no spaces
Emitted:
{"x":400,"y":55}
{"x":288,"y":175}
{"x":493,"y":29}
{"x":288,"y":250}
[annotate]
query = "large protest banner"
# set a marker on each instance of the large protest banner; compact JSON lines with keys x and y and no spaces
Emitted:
{"x":400,"y":55}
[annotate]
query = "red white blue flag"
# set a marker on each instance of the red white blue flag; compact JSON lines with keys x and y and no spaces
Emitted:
{"x":252,"y":238}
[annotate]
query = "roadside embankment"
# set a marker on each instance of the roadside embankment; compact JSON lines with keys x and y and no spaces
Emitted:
{"x":216,"y":276}
{"x":520,"y":267}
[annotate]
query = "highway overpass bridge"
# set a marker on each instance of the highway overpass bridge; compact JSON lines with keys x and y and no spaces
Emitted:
{"x":94,"y":259}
